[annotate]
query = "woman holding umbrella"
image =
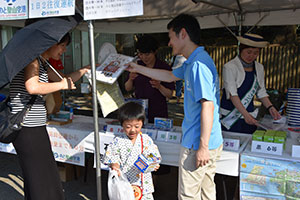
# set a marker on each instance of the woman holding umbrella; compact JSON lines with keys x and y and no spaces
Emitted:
{"x":41,"y":178}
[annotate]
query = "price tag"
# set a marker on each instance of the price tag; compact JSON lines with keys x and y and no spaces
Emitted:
{"x":115,"y":129}
{"x":267,"y":147}
{"x":151,"y":132}
{"x":162,"y":136}
{"x":231,"y":144}
{"x":296,"y":151}
{"x":166,"y":136}
{"x":174,"y":137}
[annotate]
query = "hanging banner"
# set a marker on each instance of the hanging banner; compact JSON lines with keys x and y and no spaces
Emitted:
{"x":13,"y":9}
{"x":51,"y":8}
{"x":67,"y":146}
{"x":104,"y":9}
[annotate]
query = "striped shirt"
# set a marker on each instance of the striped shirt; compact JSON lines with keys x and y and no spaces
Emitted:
{"x":19,"y":96}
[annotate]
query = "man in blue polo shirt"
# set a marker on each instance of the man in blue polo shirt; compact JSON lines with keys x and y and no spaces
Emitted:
{"x":202,"y":138}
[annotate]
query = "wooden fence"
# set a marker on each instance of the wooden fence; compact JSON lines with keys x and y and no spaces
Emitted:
{"x":281,"y":63}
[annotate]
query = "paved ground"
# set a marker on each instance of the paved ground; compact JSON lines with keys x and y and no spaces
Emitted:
{"x":11,"y":181}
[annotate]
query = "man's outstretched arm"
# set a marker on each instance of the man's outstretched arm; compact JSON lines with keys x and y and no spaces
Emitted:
{"x":157,"y":74}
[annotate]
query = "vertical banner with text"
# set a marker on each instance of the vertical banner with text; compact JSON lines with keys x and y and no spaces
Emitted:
{"x":103,"y":9}
{"x":51,"y":8}
{"x":13,"y":9}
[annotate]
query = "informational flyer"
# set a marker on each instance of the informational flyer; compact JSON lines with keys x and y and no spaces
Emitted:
{"x":112,"y":68}
{"x":103,"y":9}
{"x":110,"y":97}
{"x":13,"y":9}
{"x":50,"y":8}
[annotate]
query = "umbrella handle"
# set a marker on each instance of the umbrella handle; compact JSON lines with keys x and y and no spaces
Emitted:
{"x":52,"y":67}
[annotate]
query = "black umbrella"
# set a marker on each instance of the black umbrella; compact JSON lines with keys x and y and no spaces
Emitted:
{"x":28,"y":43}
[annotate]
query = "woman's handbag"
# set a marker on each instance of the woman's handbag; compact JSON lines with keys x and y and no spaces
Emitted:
{"x":10,"y":123}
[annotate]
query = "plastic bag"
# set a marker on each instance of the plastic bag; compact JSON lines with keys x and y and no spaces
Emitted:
{"x":119,"y":187}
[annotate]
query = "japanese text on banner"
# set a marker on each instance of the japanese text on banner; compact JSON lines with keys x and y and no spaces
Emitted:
{"x":13,"y":9}
{"x":103,"y":9}
{"x":48,"y":8}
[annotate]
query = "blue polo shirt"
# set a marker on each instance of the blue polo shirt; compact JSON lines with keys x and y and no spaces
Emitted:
{"x":201,"y":82}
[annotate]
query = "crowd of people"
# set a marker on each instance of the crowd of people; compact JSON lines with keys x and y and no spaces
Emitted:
{"x":152,"y":79}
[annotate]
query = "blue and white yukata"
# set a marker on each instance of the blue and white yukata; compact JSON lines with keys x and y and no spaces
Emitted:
{"x":125,"y":153}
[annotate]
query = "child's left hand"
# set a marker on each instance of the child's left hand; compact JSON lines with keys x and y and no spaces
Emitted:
{"x":116,"y":166}
{"x":156,"y":168}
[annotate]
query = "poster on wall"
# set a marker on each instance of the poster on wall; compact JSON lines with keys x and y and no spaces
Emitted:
{"x":13,"y":9}
{"x":51,"y":8}
{"x":103,"y":9}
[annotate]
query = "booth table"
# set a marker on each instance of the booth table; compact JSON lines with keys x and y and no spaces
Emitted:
{"x":228,"y":163}
{"x":70,"y":142}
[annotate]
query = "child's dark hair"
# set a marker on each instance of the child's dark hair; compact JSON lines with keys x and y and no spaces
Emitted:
{"x":131,"y":111}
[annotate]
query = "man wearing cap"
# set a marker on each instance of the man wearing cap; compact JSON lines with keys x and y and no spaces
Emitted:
{"x":243,"y":77}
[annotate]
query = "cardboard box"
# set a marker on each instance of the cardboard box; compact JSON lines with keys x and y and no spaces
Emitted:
{"x":269,"y":136}
{"x":280,"y":137}
{"x":258,"y":135}
{"x":68,"y":172}
{"x":146,"y":164}
{"x":163,"y":123}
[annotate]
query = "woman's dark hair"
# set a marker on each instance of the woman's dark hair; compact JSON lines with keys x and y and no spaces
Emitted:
{"x":131,"y":111}
{"x":243,"y":46}
{"x":146,"y":44}
{"x":66,"y":38}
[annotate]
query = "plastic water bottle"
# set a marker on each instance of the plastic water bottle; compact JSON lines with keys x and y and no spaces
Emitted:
{"x":71,"y":114}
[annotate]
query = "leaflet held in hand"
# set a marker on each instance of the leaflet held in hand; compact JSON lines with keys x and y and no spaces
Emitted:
{"x":112,"y":68}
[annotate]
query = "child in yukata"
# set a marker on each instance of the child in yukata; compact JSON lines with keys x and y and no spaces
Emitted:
{"x":125,"y":149}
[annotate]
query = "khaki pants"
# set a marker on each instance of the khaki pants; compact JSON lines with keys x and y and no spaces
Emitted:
{"x":197,"y":183}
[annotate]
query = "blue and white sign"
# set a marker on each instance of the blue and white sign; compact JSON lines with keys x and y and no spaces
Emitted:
{"x":104,"y":9}
{"x":13,"y":9}
{"x":51,"y":8}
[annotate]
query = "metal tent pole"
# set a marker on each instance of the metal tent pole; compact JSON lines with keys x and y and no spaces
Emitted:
{"x":95,"y":110}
